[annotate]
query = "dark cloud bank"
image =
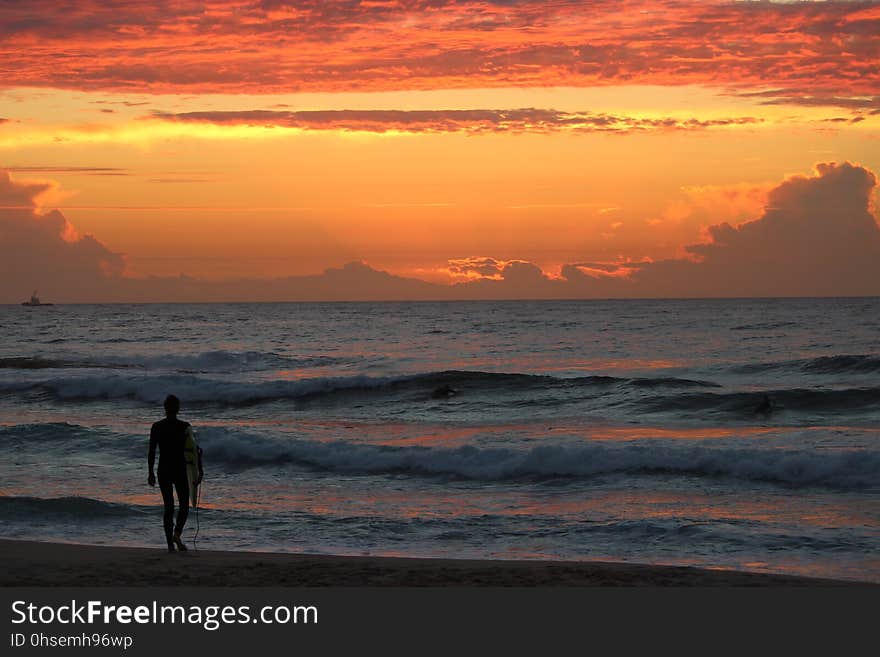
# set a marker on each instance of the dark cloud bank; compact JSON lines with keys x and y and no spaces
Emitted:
{"x":816,"y":237}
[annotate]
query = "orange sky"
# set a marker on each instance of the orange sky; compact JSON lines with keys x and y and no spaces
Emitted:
{"x":434,"y":140}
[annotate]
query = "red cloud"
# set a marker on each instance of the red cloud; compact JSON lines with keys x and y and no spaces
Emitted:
{"x":813,"y":50}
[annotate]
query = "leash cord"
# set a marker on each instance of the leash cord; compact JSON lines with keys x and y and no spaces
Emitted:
{"x":198,"y":499}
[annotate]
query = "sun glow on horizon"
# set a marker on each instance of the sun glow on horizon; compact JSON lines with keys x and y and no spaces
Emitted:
{"x":575,"y":143}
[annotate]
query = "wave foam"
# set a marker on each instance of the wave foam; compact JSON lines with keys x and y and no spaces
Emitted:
{"x":850,"y":470}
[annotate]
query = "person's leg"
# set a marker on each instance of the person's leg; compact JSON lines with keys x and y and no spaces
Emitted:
{"x":166,"y":485}
{"x":182,"y":486}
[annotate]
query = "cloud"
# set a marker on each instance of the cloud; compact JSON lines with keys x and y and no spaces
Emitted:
{"x":798,"y":97}
{"x":125,"y":103}
{"x":684,"y":219}
{"x":476,"y":267}
{"x":492,"y":269}
{"x":92,"y":171}
{"x":513,"y":279}
{"x":43,"y":250}
{"x":177,"y":180}
{"x":814,"y":236}
{"x":470,"y":121}
{"x":816,"y":233}
{"x":354,"y":281}
{"x":622,"y":269}
{"x":817,"y":49}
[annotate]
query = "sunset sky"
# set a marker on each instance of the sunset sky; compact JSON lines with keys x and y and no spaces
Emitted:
{"x":552,"y":148}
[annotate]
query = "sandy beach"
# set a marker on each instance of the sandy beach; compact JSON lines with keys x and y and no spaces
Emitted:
{"x":31,"y":563}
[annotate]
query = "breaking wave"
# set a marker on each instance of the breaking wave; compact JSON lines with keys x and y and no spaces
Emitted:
{"x":195,"y":389}
{"x":743,"y":404}
{"x":822,"y":365}
{"x":839,"y":469}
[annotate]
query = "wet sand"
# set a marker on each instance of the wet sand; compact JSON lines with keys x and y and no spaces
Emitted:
{"x":31,"y":563}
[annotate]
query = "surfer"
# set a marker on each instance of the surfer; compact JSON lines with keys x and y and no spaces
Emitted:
{"x":443,"y":392}
{"x":178,"y":457}
{"x":765,"y":407}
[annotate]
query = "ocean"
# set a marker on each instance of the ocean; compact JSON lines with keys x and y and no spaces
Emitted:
{"x":623,"y":430}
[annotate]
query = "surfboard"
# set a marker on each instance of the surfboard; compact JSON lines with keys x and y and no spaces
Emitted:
{"x":191,"y":455}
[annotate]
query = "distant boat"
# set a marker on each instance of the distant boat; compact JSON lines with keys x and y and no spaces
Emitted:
{"x":35,"y":301}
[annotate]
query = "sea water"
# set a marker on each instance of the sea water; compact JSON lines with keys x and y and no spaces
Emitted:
{"x":630,"y":430}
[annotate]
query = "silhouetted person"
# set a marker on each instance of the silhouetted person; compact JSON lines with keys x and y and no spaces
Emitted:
{"x":174,"y":439}
{"x":765,"y":407}
{"x":443,"y":392}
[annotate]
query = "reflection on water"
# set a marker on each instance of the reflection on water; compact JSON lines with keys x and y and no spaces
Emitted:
{"x":622,"y":431}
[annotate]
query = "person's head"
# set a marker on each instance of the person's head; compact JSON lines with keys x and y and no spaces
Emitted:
{"x":172,"y":406}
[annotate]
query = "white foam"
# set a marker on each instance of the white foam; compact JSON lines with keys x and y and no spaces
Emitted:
{"x":845,"y":469}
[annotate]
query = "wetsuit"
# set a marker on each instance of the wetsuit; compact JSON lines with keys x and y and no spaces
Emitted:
{"x":170,"y":436}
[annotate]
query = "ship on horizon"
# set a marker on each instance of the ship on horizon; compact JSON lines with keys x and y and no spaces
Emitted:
{"x":35,"y":301}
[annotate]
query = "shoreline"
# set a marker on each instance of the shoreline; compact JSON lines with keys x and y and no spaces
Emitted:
{"x":35,"y":563}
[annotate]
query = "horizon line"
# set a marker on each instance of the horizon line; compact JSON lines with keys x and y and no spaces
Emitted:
{"x":489,"y":300}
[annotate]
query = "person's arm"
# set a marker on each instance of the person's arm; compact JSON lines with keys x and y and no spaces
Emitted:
{"x":201,"y":469}
{"x":151,"y":456}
